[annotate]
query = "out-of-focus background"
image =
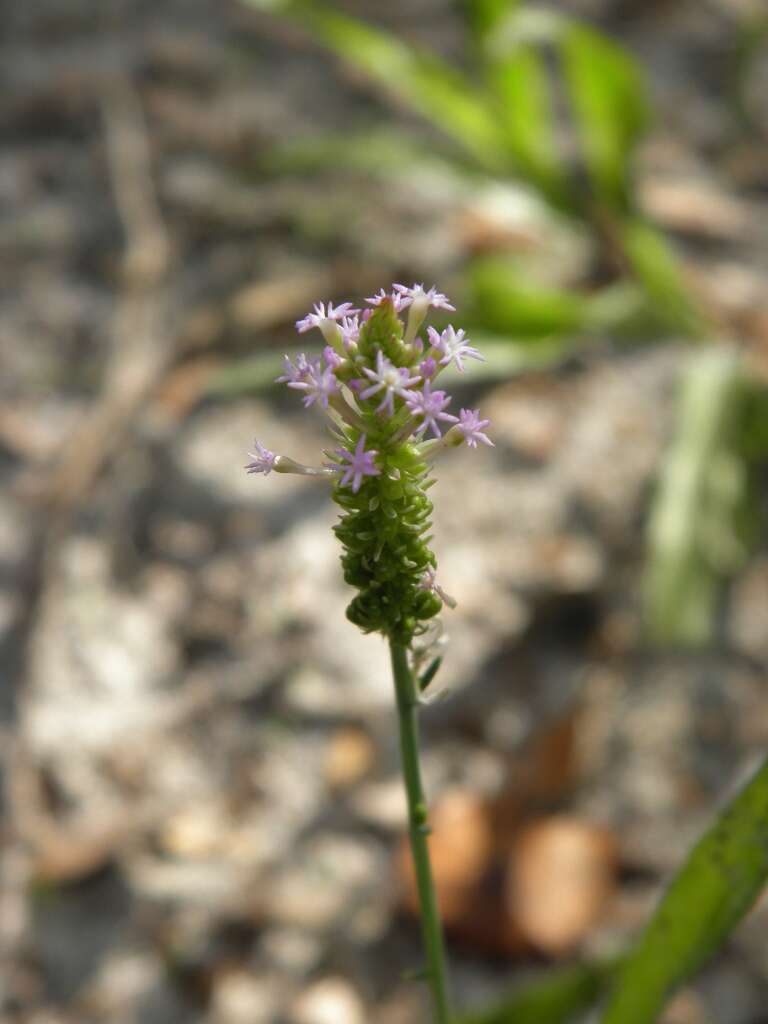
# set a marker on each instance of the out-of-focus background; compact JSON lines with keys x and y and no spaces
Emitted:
{"x":202,"y":816}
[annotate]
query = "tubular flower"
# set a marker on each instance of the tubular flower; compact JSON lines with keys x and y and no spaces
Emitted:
{"x":376,"y":384}
{"x":453,"y":346}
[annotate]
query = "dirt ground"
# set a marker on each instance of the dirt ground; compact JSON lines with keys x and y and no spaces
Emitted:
{"x":201,"y":815}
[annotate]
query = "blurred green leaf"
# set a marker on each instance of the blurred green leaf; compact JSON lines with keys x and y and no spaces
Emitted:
{"x":717,"y":885}
{"x":656,"y":266}
{"x":693,"y":527}
{"x":521,"y":83}
{"x":503,"y":300}
{"x":751,"y":44}
{"x":607,"y":94}
{"x":429,"y":84}
{"x":485,"y":16}
{"x":555,"y":999}
{"x":381,"y":152}
{"x":753,"y":423}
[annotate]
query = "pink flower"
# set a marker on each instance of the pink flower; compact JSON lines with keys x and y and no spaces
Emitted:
{"x":393,"y":379}
{"x":350,"y":330}
{"x":298,"y":371}
{"x":320,"y":384}
{"x":321,"y":315}
{"x":397,"y":300}
{"x":430,"y":405}
{"x":427,"y":367}
{"x":359,"y":464}
{"x":418,"y":300}
{"x":429,"y":582}
{"x":332,"y":357}
{"x":454,"y":346}
{"x":417,"y":294}
{"x":471,"y":426}
{"x":262,"y":460}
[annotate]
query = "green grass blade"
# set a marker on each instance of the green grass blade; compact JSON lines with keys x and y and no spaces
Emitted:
{"x":693,"y":532}
{"x":486,"y":16}
{"x":556,"y":999}
{"x":608,"y":99}
{"x":718,"y":884}
{"x":521,"y":83}
{"x":423,"y":80}
{"x":657,"y":268}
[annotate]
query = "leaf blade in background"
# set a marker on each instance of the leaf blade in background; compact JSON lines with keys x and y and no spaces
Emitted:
{"x":504,"y":299}
{"x":659,"y":271}
{"x":691,"y":527}
{"x":485,"y":16}
{"x":718,"y":883}
{"x":608,"y":99}
{"x":422,"y":79}
{"x":520,"y":81}
{"x":555,"y":999}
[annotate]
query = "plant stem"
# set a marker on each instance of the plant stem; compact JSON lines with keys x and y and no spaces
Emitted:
{"x":432,"y":930}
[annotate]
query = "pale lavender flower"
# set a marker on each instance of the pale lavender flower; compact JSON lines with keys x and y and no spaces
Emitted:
{"x":321,"y":314}
{"x":429,"y":582}
{"x":298,"y":371}
{"x":320,"y":384}
{"x":427,"y":367}
{"x":350,"y":331}
{"x":359,"y":463}
{"x":397,"y":301}
{"x":393,"y":379}
{"x":325,"y":320}
{"x":471,"y":426}
{"x":418,"y":301}
{"x":262,"y":460}
{"x":418,"y":294}
{"x":430,"y":405}
{"x":332,"y":357}
{"x":454,"y":346}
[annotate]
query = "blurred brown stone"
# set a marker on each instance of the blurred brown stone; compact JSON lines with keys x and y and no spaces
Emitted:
{"x":350,"y":756}
{"x":560,"y":876}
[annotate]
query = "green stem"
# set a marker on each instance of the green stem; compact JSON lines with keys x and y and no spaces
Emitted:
{"x":407,"y":705}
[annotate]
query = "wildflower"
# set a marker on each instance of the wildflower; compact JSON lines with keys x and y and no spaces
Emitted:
{"x":326,"y":319}
{"x":430,"y":405}
{"x":262,"y":460}
{"x":298,"y":371}
{"x":350,"y":331}
{"x":471,"y":426}
{"x":395,"y":380}
{"x":320,"y":384}
{"x":398,"y":301}
{"x":429,"y":582}
{"x":418,"y":302}
{"x":427,"y":367}
{"x":359,"y":464}
{"x":454,"y":346}
{"x":416,"y":295}
{"x":332,"y":357}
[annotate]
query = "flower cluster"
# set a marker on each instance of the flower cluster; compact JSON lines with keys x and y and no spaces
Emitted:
{"x":377,"y":381}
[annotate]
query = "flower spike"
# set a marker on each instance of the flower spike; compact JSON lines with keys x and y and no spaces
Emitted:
{"x":375,"y":381}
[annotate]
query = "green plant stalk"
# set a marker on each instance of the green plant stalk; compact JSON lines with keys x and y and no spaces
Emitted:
{"x":432,"y":930}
